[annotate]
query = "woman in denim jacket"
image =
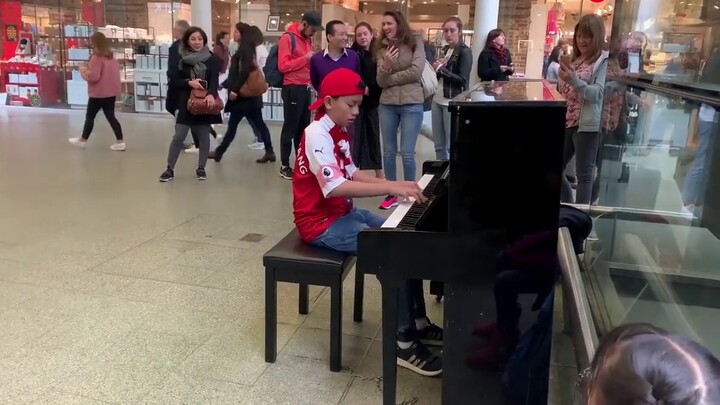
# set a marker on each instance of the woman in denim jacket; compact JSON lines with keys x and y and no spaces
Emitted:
{"x":582,"y":83}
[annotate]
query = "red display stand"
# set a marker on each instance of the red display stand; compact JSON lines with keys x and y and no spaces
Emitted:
{"x":48,"y":82}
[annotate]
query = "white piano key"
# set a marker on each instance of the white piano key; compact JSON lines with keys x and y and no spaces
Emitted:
{"x":405,"y":204}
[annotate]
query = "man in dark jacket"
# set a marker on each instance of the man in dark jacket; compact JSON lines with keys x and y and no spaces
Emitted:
{"x":171,"y":102}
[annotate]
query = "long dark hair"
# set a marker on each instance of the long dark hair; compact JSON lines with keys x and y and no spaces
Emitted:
{"x":246,"y":49}
{"x":101,"y":45}
{"x":491,"y":37}
{"x":404,"y":34}
{"x":643,"y":364}
{"x":254,"y":35}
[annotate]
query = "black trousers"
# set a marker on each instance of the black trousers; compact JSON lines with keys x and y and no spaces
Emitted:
{"x":296,"y":101}
{"x":107,"y":105}
{"x":254,"y":117}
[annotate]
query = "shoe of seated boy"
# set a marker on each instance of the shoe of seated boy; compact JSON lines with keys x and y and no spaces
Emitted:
{"x":494,"y":354}
{"x":431,"y":335}
{"x":419,"y":359}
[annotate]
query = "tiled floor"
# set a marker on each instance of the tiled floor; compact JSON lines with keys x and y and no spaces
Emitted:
{"x":115,"y":288}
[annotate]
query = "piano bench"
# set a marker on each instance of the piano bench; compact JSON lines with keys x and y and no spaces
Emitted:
{"x":294,"y":261}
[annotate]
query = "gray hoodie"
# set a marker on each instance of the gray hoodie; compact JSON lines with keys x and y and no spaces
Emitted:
{"x":592,"y":94}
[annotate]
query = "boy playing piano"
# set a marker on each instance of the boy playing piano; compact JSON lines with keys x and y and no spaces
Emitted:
{"x":324,"y":184}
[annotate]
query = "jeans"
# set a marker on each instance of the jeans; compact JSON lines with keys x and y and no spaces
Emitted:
{"x":441,"y":131}
{"x":107,"y":105}
{"x":202,"y":132}
{"x":408,"y":118}
{"x":694,"y":186}
{"x":296,"y":101}
{"x":342,"y":235}
{"x":254,"y":117}
{"x":583,"y":145}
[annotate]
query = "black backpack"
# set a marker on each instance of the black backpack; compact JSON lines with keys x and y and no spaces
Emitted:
{"x":273,"y":76}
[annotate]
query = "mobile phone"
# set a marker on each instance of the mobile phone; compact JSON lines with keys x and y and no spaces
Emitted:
{"x":565,"y":59}
{"x":204,"y":83}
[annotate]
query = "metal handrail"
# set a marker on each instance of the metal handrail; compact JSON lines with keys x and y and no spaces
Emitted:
{"x":678,"y":218}
{"x":584,"y":334}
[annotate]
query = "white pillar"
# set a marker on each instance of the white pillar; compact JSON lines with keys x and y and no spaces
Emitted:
{"x":486,"y":18}
{"x":201,"y":16}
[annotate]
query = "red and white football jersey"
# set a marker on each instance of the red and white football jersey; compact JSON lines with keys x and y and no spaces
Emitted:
{"x":323,"y":162}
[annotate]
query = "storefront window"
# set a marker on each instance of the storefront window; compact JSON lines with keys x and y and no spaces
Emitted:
{"x":670,"y":41}
{"x":45,"y":42}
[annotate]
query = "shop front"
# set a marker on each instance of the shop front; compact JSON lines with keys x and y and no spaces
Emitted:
{"x":45,"y":42}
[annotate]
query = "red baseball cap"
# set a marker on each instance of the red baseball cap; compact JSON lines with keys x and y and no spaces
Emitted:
{"x":340,"y":82}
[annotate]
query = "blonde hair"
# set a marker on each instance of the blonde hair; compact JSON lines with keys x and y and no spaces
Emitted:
{"x":592,"y":26}
{"x":101,"y":45}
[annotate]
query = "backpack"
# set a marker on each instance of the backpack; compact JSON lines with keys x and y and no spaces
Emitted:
{"x":273,"y":76}
{"x":526,"y":374}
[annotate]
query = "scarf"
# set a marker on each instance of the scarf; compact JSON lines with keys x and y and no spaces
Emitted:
{"x":500,"y":52}
{"x":196,"y":60}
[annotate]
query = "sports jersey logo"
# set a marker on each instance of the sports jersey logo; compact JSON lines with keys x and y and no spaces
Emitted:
{"x":327,"y":172}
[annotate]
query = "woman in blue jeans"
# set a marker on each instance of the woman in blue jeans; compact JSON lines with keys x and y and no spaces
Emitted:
{"x":400,"y":60}
{"x":697,"y":177}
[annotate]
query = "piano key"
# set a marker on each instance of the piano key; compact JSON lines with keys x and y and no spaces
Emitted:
{"x":404,"y":205}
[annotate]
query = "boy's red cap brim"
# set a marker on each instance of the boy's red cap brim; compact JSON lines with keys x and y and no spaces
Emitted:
{"x":340,"y":82}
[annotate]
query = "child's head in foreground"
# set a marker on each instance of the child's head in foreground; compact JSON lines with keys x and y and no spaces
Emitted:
{"x":341,"y":93}
{"x":640,"y":364}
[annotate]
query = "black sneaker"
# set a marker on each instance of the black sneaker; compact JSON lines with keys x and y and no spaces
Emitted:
{"x":420,"y":360}
{"x":286,"y":173}
{"x":431,"y":335}
{"x":200,"y":173}
{"x":167,"y":176}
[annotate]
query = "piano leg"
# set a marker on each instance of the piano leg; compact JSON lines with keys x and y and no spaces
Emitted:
{"x":303,"y":298}
{"x":389,"y":339}
{"x":359,"y":292}
{"x":270,"y":316}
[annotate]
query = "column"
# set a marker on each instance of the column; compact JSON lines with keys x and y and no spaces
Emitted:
{"x":486,"y":18}
{"x":201,"y":16}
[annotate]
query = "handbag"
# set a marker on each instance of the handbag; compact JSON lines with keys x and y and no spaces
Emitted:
{"x":255,"y":85}
{"x":196,"y":104}
{"x":428,"y":80}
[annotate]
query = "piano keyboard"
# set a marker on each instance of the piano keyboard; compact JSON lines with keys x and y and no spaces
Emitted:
{"x":404,"y":206}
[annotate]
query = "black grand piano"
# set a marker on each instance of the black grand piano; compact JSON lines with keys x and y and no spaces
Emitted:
{"x":502,"y":182}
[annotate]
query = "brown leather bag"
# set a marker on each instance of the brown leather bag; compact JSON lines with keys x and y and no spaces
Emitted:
{"x":255,"y":85}
{"x":196,"y":104}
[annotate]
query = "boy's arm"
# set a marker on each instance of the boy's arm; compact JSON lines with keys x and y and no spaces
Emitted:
{"x":321,"y":161}
{"x":366,"y":178}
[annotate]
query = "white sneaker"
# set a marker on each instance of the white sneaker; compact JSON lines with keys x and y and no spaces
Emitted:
{"x":119,"y":147}
{"x":77,"y":142}
{"x":257,"y":146}
{"x":192,"y":149}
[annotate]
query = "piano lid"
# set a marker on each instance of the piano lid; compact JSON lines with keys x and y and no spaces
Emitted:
{"x":512,"y":92}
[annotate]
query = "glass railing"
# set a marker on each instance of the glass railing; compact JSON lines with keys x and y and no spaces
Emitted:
{"x":654,"y":254}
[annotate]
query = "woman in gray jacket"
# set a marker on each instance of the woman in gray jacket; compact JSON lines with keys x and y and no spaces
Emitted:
{"x":400,"y":60}
{"x":582,"y":83}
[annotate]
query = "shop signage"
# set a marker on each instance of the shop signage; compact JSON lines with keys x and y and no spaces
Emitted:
{"x":11,"y":32}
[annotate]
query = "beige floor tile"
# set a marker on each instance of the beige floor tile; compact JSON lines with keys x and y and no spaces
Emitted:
{"x":315,"y":344}
{"x":179,"y":389}
{"x":12,"y":294}
{"x":298,"y":381}
{"x":63,"y":398}
{"x":235,"y":354}
{"x":38,"y":274}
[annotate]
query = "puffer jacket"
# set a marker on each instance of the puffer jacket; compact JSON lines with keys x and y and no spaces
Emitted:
{"x":401,"y":85}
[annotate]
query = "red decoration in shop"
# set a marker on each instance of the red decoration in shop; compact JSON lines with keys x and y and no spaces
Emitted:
{"x":552,"y":25}
{"x":11,"y":12}
{"x":597,"y":1}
